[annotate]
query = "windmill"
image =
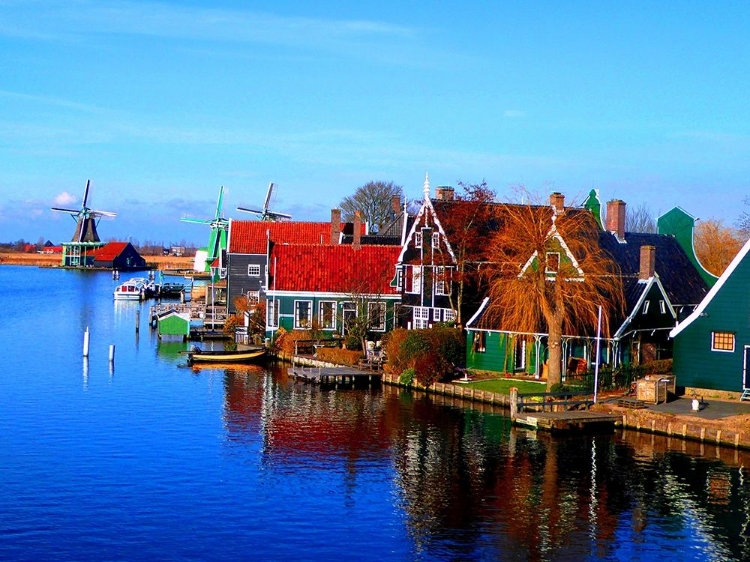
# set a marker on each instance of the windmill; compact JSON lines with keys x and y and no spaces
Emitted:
{"x":217,"y":240}
{"x":86,"y":219}
{"x":265,"y":213}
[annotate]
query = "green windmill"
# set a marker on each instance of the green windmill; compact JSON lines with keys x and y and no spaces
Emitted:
{"x":217,"y":241}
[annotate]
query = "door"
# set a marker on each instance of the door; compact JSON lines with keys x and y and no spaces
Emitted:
{"x":745,"y":366}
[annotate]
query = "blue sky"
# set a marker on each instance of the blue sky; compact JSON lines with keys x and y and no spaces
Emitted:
{"x":159,"y":104}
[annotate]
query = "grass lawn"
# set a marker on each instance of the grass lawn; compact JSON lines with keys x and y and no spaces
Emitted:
{"x":502,"y":386}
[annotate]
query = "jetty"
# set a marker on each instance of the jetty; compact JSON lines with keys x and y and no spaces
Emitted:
{"x":334,"y":376}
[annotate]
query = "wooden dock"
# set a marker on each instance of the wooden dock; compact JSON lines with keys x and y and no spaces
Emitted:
{"x":334,"y":376}
{"x":562,"y":411}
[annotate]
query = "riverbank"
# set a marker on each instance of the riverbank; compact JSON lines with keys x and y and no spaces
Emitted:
{"x":54,"y":260}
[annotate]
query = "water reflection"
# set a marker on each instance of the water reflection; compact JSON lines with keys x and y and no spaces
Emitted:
{"x":472,"y":486}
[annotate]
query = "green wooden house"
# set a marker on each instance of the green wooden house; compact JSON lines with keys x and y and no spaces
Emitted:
{"x":173,"y":324}
{"x":712,"y":346}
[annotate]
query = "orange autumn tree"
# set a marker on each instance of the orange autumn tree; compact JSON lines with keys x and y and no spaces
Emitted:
{"x":716,"y":245}
{"x":548,"y":273}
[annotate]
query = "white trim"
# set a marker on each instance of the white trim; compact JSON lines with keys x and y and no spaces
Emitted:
{"x":712,"y":293}
{"x":734,"y":341}
{"x":638,"y":305}
{"x":478,"y":312}
{"x":326,"y":296}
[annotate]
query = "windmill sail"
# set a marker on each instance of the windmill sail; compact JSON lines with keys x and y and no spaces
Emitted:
{"x":265,"y":213}
{"x":217,"y":241}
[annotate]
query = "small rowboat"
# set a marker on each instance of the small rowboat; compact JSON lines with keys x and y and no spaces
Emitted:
{"x":254,"y":355}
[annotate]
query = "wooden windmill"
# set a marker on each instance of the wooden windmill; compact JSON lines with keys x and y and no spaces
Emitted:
{"x":217,"y":240}
{"x":265,"y":213}
{"x":86,"y":219}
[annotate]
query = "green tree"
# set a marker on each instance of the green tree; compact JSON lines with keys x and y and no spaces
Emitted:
{"x":375,"y":201}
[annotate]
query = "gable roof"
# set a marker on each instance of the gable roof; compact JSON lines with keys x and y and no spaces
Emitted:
{"x":681,"y":282}
{"x":110,"y":251}
{"x":714,"y":290}
{"x":251,"y":237}
{"x":333,"y":269}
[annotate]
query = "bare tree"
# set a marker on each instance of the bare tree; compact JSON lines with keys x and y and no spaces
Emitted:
{"x":374,"y":200}
{"x":640,"y":219}
{"x":548,"y":272}
{"x":716,"y":245}
{"x":743,"y":222}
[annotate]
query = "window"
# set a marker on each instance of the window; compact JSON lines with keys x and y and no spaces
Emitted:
{"x":663,"y":307}
{"x":722,"y":341}
{"x":417,"y":239}
{"x":416,"y":279}
{"x":253,"y":297}
{"x":327,"y":315}
{"x":273,"y":314}
{"x":399,"y":278}
{"x":448,"y":315}
{"x":645,"y":307}
{"x":442,"y":287}
{"x":478,"y":342}
{"x":436,"y":314}
{"x":302,"y":316}
{"x":435,"y":240}
{"x":348,"y":315}
{"x":376,"y":315}
{"x":421,"y":317}
{"x":253,"y":270}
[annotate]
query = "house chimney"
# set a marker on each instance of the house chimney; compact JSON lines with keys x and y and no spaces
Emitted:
{"x":335,"y":225}
{"x":557,"y":200}
{"x":357,"y":230}
{"x":444,"y":193}
{"x":616,"y":217}
{"x":648,"y":262}
{"x":396,"y":205}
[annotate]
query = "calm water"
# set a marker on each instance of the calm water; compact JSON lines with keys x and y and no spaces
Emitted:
{"x":153,"y":460}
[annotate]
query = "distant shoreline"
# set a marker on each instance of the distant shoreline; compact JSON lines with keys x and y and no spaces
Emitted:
{"x":54,"y":260}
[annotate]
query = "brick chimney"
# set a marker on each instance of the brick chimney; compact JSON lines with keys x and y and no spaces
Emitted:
{"x":357,"y":230}
{"x":444,"y":193}
{"x":396,"y":205}
{"x":648,"y":262}
{"x":557,"y":200}
{"x":616,"y":217}
{"x":335,"y":226}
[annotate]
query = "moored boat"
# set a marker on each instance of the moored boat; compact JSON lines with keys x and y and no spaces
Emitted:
{"x":251,"y":355}
{"x":132,"y":290}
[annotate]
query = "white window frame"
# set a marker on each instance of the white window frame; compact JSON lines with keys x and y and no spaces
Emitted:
{"x":721,"y":349}
{"x":440,"y":280}
{"x":417,"y":239}
{"x":448,"y":315}
{"x":371,"y":306}
{"x":253,"y":297}
{"x":421,"y":317}
{"x":663,"y":307}
{"x":645,"y":307}
{"x":321,"y":316}
{"x":253,"y":270}
{"x":272,"y":313}
{"x":416,"y":280}
{"x":435,"y":240}
{"x":297,"y":321}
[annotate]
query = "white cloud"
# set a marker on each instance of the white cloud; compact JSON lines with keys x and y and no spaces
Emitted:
{"x":65,"y":198}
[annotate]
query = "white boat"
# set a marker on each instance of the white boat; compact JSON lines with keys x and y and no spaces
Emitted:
{"x":132,"y":290}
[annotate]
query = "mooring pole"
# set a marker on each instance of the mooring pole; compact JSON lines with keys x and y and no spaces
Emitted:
{"x":137,"y":320}
{"x":112,"y":353}
{"x":86,"y":342}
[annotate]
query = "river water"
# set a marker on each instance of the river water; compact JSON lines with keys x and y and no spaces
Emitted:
{"x":147,"y":459}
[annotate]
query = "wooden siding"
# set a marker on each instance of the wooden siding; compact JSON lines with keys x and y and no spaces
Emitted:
{"x":695,"y":365}
{"x":238,"y":281}
{"x":498,"y":354}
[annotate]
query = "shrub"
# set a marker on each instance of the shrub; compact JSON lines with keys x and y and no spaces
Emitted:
{"x":285,"y":340}
{"x":407,"y":377}
{"x":658,"y":367}
{"x":339,"y":356}
{"x":432,"y":353}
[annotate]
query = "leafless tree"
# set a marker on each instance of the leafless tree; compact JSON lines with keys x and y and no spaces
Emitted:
{"x":547,"y":272}
{"x":640,"y":219}
{"x":374,"y":200}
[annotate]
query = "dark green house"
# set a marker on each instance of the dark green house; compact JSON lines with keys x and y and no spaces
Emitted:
{"x":712,"y":346}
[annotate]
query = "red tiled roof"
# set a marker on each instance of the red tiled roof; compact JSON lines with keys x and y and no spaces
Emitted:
{"x":109,"y":251}
{"x":249,"y":237}
{"x":334,"y":269}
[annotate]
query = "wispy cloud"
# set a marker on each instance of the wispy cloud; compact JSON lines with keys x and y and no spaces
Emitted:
{"x":65,"y":198}
{"x":67,"y":20}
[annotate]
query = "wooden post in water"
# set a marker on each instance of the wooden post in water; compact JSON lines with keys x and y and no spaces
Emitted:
{"x":86,"y":342}
{"x":513,"y":403}
{"x":112,"y":353}
{"x":137,"y":320}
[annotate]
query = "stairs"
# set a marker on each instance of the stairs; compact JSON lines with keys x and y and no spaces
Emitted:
{"x":745,"y":395}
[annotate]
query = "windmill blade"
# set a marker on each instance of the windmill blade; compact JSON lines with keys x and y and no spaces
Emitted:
{"x":219,"y":202}
{"x":86,"y":193}
{"x":268,"y":197}
{"x":250,"y":210}
{"x":60,"y":210}
{"x":198,"y":221}
{"x":102,"y":214}
{"x":275,"y":215}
